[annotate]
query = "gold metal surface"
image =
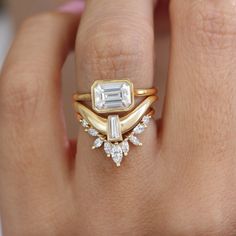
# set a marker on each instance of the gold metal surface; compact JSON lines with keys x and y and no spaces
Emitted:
{"x":137,"y":92}
{"x":127,"y":122}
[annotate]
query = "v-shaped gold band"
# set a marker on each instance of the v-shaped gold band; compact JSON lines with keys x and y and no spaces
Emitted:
{"x":127,"y":122}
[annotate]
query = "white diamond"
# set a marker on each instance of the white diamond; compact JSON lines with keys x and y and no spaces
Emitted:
{"x":114,"y":129}
{"x":117,"y":154}
{"x":146,"y":120}
{"x":112,"y":95}
{"x":93,"y":132}
{"x":84,"y":123}
{"x":98,"y":143}
{"x":107,"y":148}
{"x":133,"y":139}
{"x":139,"y":129}
{"x":125,"y":147}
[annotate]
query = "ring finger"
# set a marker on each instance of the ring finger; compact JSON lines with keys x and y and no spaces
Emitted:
{"x":115,"y":41}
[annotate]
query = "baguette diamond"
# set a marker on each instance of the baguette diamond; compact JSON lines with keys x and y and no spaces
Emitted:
{"x":114,"y":129}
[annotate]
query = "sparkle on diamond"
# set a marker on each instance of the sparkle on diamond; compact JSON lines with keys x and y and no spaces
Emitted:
{"x":113,"y":96}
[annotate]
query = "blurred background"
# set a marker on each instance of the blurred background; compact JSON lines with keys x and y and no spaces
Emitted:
{"x":12,"y":12}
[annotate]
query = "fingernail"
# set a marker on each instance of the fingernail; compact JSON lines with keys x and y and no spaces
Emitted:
{"x":75,"y":7}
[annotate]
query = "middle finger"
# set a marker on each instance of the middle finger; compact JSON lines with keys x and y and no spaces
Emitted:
{"x":115,"y":41}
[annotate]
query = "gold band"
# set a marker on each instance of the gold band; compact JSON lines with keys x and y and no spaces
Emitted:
{"x":128,"y":122}
{"x":137,"y":92}
{"x":150,"y":113}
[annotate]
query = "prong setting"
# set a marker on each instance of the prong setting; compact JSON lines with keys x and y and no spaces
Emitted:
{"x":119,"y":149}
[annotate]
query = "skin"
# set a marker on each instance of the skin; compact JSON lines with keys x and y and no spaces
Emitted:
{"x":181,"y":182}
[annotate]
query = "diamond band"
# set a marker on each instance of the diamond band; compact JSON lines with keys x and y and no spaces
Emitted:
{"x":118,"y":150}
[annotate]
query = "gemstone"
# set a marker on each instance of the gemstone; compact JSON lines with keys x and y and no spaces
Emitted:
{"x":125,"y":147}
{"x":98,"y":143}
{"x":146,"y":120}
{"x":139,"y":129}
{"x":134,"y":140}
{"x":84,"y":123}
{"x":93,"y":132}
{"x":117,"y":154}
{"x":112,"y":96}
{"x":114,"y":128}
{"x":107,"y":148}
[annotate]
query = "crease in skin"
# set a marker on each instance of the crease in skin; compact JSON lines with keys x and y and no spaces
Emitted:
{"x":127,"y":122}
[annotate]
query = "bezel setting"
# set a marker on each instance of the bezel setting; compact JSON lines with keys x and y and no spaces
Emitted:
{"x":113,"y":132}
{"x":112,"y":96}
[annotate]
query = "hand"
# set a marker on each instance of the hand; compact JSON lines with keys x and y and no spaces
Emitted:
{"x":181,"y":182}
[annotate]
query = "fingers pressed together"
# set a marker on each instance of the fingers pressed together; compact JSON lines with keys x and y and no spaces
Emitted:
{"x":115,"y":40}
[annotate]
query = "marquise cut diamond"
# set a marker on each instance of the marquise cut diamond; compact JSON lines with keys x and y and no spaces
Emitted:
{"x":93,"y":132}
{"x":84,"y":123}
{"x":139,"y":129}
{"x":134,"y":140}
{"x":125,"y":147}
{"x":107,"y":148}
{"x":117,"y":154}
{"x":146,"y":120}
{"x":98,"y":143}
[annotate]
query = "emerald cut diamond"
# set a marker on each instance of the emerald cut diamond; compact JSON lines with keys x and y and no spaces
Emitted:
{"x":112,"y":96}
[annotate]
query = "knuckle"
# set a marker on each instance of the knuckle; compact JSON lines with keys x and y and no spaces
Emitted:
{"x":19,"y":98}
{"x":114,"y":54}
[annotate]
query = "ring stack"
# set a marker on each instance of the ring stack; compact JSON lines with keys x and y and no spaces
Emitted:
{"x":105,"y":122}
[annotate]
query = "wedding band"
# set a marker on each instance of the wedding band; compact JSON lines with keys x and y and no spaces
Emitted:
{"x":115,"y":132}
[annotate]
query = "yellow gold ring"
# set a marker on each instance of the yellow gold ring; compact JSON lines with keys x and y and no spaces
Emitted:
{"x":115,"y":132}
{"x":137,"y":93}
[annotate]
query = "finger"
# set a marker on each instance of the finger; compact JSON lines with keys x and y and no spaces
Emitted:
{"x":30,"y":95}
{"x":115,"y":41}
{"x":199,"y":111}
{"x":32,"y":137}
